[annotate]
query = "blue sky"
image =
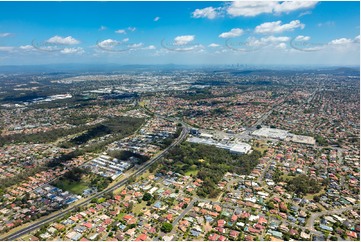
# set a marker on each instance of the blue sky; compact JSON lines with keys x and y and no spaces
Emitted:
{"x":297,"y":33}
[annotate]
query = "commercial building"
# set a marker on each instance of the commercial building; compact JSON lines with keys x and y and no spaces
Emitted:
{"x":283,"y":135}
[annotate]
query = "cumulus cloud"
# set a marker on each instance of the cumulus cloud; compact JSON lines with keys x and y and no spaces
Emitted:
{"x":302,"y":38}
{"x":341,"y":41}
{"x":281,"y":46}
{"x":120,"y":31}
{"x":2,"y":35}
{"x":135,"y":46}
{"x":156,"y":19}
{"x":183,"y":39}
{"x":209,"y":13}
{"x":278,"y":27}
{"x":132,"y":29}
{"x":232,"y":33}
{"x":275,"y":39}
{"x":290,"y":6}
{"x":77,"y":50}
{"x":250,"y":9}
{"x":108,"y":43}
{"x":213,"y":45}
{"x":266,"y":41}
{"x":63,"y":41}
{"x":125,"y":40}
{"x":27,"y":47}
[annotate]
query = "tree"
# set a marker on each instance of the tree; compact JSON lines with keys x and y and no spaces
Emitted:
{"x":316,"y":198}
{"x":270,"y":205}
{"x":147,"y":196}
{"x":303,"y":184}
{"x":130,"y":207}
{"x":166,"y":227}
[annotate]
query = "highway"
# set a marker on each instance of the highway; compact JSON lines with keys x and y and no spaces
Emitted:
{"x":57,"y":215}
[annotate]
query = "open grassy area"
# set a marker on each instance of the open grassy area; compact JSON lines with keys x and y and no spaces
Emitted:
{"x":137,"y":208}
{"x":260,"y":145}
{"x":71,"y":186}
{"x":118,"y":190}
{"x":191,"y":172}
{"x":144,"y":175}
{"x":77,"y":186}
{"x":286,"y":177}
{"x":142,"y":103}
{"x":120,"y":216}
{"x":310,"y":196}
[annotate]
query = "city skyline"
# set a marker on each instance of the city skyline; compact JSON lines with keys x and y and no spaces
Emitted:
{"x":200,"y":33}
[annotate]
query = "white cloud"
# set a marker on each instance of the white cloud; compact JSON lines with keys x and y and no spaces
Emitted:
{"x":327,"y":24}
{"x":357,"y":39}
{"x":302,"y":38}
{"x":156,"y":19}
{"x":134,"y":46}
{"x":266,"y":41}
{"x":209,"y":13}
{"x":286,"y":7}
{"x":276,"y":27}
{"x":274,"y":39}
{"x":120,"y":31}
{"x":150,"y":47}
{"x":27,"y":47}
{"x":213,"y":45}
{"x":183,"y":39}
{"x":102,"y":28}
{"x":125,"y":40}
{"x":198,"y":48}
{"x":341,"y":41}
{"x":77,"y":50}
{"x":7,"y":48}
{"x":108,"y":43}
{"x":250,"y":9}
{"x":304,"y":13}
{"x":232,"y":33}
{"x":2,"y":35}
{"x":63,"y":41}
{"x":132,"y":29}
{"x":281,"y":46}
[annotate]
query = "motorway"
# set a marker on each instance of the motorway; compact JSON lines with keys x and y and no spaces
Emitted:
{"x":57,"y":215}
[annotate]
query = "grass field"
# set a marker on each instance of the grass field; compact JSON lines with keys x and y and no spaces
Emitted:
{"x":260,"y":145}
{"x":73,"y":187}
{"x":139,"y":207}
{"x":120,"y":216}
{"x":191,"y":172}
{"x":310,"y":196}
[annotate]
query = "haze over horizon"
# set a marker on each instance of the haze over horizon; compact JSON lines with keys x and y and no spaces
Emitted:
{"x":194,"y":33}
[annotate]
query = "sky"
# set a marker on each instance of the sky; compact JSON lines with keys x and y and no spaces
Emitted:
{"x":209,"y":33}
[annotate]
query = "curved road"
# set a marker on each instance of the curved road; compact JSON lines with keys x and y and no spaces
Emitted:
{"x":145,"y":166}
{"x":314,"y":216}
